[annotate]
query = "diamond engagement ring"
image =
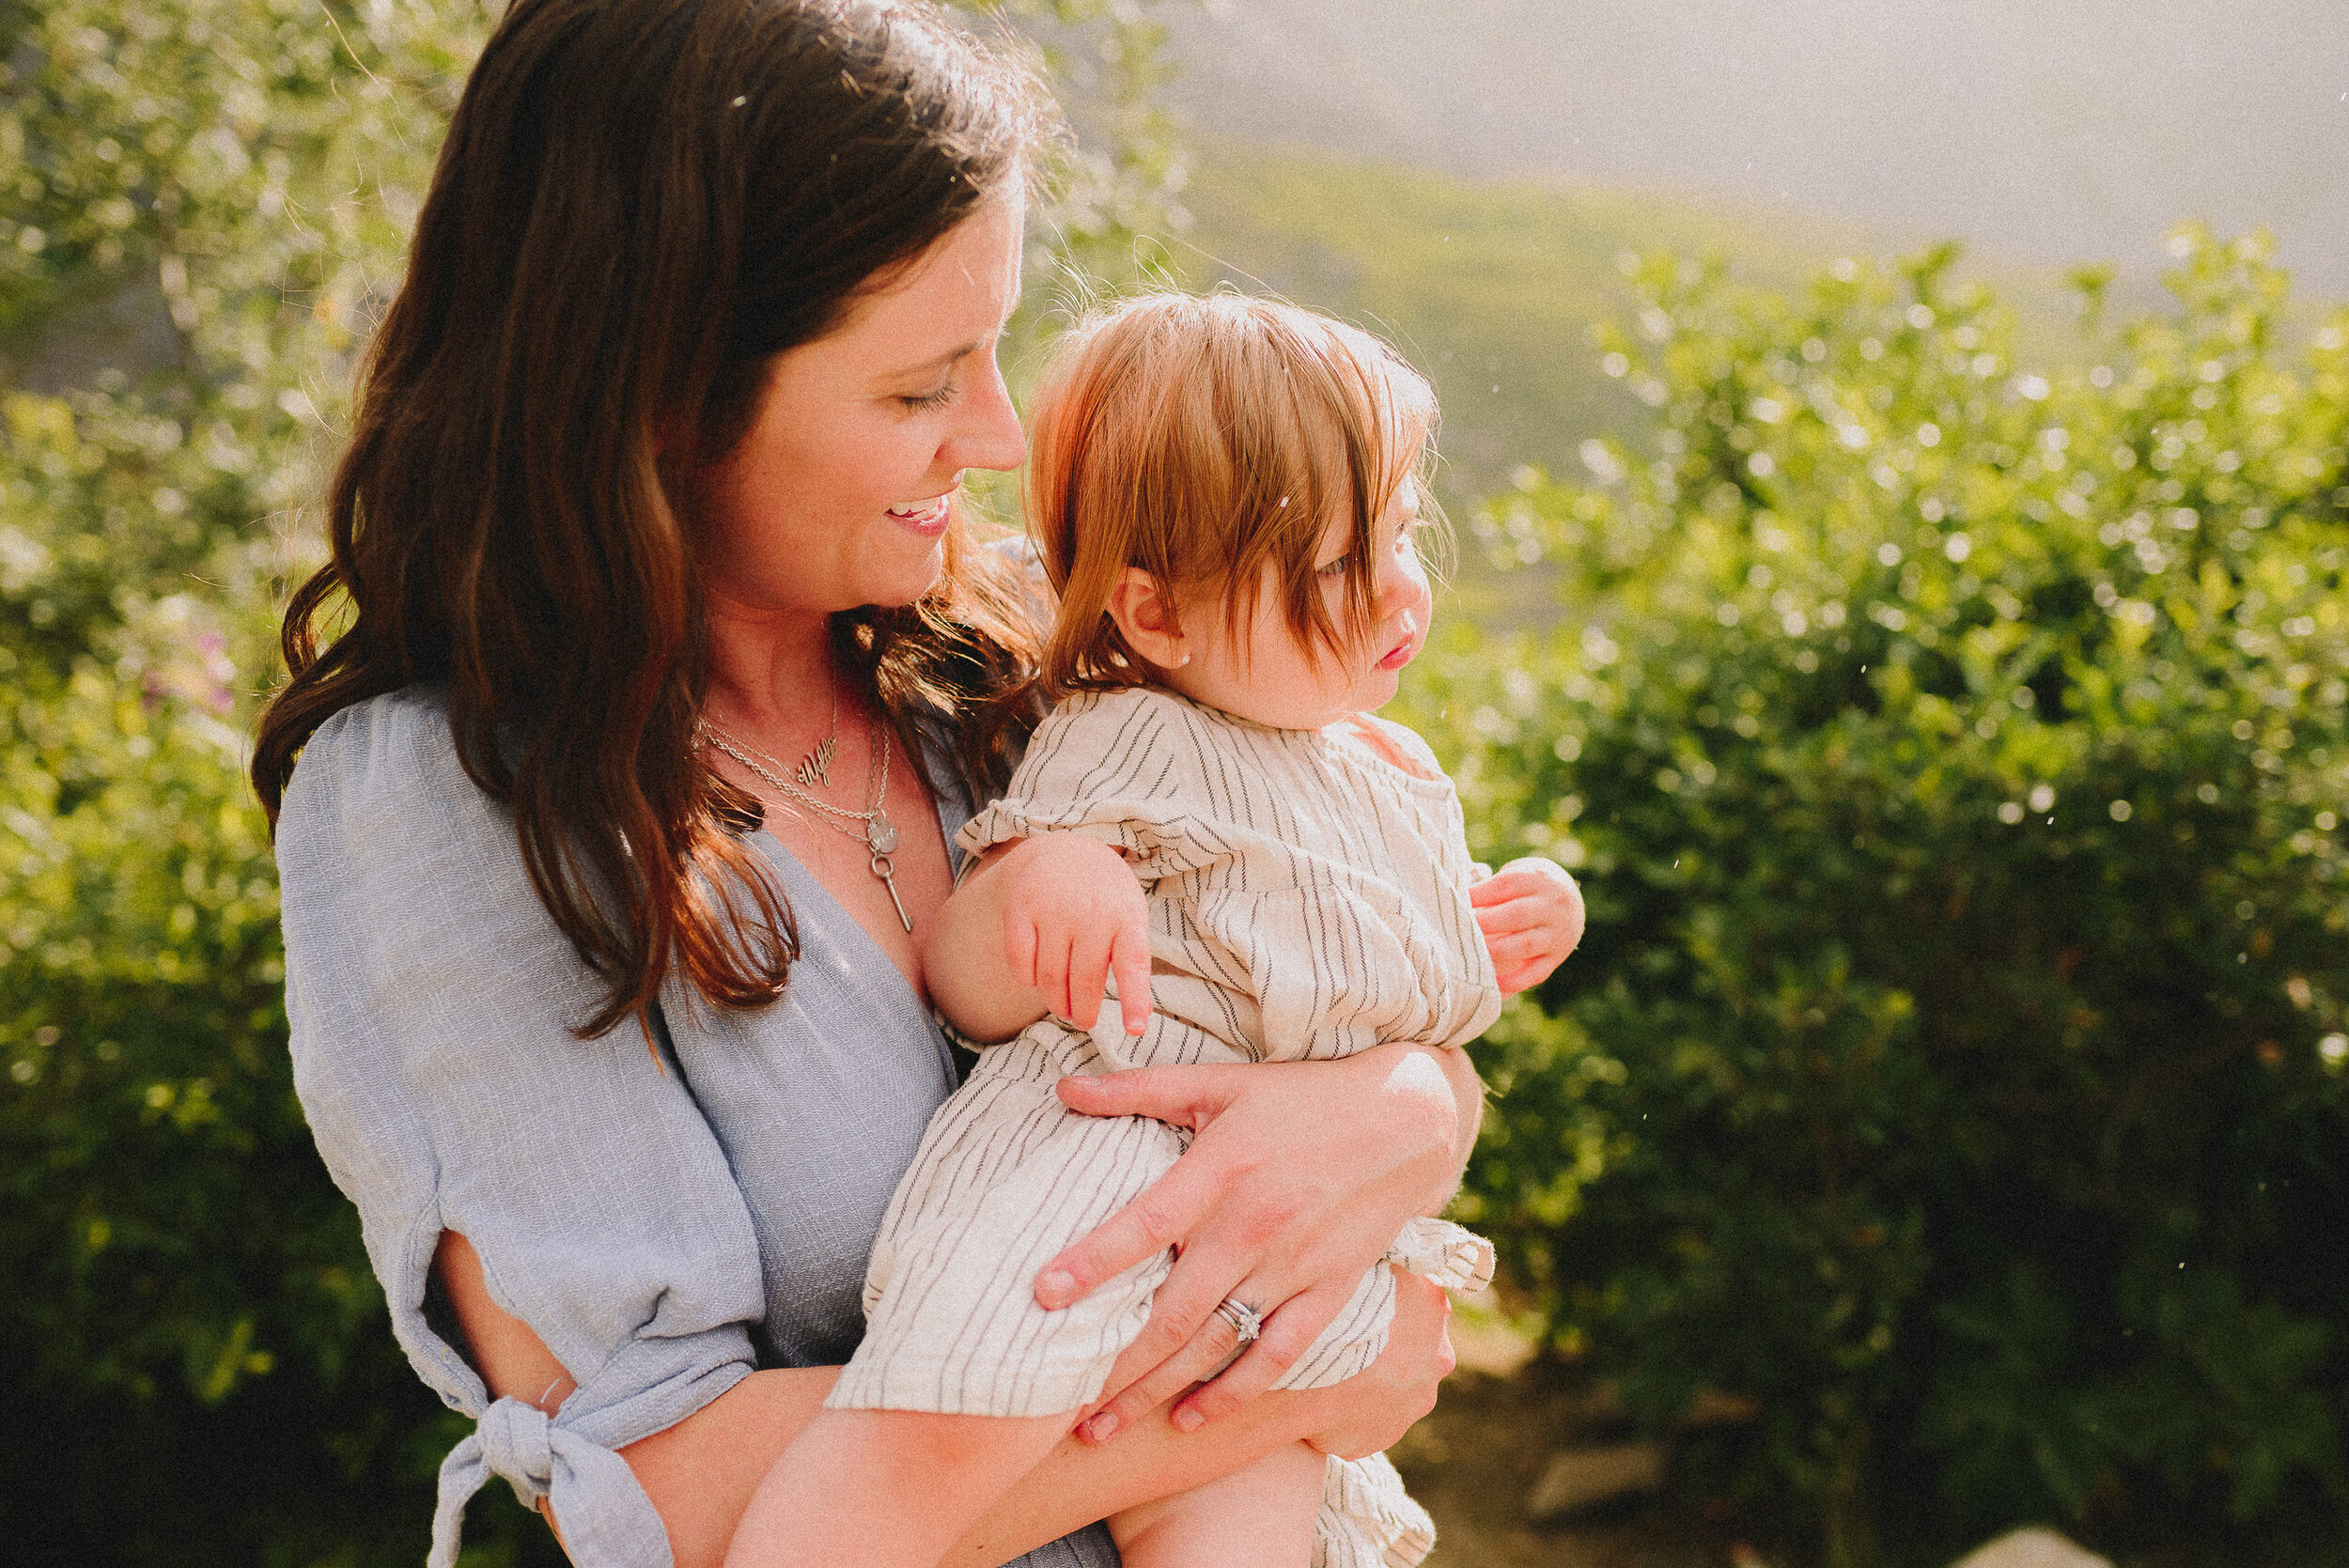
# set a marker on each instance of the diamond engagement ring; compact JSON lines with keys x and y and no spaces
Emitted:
{"x":1245,"y":1321}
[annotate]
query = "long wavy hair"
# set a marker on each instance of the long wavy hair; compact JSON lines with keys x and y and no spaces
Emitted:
{"x":639,"y":205}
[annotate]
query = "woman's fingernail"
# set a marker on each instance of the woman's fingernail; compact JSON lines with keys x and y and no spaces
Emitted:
{"x":1101,"y":1428}
{"x":1189,"y":1420}
{"x":1055,"y":1288}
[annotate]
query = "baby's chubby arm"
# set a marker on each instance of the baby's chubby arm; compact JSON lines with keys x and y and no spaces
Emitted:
{"x":1039,"y":926}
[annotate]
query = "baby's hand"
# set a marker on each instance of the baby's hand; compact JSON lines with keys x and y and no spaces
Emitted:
{"x":1531,"y":913}
{"x":1073,"y":915}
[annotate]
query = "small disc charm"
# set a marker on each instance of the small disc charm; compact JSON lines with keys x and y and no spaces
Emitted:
{"x":882,"y":834}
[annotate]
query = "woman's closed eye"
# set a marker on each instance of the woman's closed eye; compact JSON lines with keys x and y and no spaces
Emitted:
{"x":928,"y":402}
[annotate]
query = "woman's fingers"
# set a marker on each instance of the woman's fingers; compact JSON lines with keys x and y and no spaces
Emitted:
{"x":1289,"y":1331}
{"x":1168,"y":1211}
{"x":1184,"y":1097}
{"x":1400,"y":1386}
{"x":1193,"y":1360}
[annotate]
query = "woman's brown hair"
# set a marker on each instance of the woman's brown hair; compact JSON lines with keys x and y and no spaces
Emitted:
{"x":1203,"y":438}
{"x":639,"y":205}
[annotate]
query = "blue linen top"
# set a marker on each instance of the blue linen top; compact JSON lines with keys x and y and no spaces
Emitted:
{"x":667,"y":1209}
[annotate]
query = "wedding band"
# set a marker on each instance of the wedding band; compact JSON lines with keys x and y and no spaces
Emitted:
{"x":1247,"y":1325}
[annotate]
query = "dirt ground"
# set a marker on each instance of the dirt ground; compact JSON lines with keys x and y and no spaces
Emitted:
{"x":1474,"y":1461}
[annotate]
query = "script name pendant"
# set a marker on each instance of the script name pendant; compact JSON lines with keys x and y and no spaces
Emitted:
{"x":814,"y":769}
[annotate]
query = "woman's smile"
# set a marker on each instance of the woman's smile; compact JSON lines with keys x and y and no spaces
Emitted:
{"x":925,"y":517}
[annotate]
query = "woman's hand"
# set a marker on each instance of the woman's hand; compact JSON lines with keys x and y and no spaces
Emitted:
{"x":1531,"y":913}
{"x":1400,"y":1387}
{"x":1299,"y":1179}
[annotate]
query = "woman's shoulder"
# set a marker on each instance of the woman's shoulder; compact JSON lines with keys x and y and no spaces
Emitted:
{"x":384,"y":765}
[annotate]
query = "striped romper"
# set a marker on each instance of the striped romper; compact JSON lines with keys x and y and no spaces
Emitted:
{"x":1307,"y":900}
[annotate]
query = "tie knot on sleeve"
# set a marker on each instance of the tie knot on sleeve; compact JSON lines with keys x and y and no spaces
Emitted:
{"x":516,"y":1445}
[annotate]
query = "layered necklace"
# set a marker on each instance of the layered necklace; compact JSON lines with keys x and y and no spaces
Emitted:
{"x":870,"y":826}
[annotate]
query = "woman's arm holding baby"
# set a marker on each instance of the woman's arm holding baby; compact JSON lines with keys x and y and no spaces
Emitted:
{"x":1302,"y":1173}
{"x":701,"y":1474}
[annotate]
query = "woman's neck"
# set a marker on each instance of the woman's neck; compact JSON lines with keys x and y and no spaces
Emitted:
{"x":769,"y":669}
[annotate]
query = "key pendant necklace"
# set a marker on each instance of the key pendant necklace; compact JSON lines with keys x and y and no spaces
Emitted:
{"x":871,"y":825}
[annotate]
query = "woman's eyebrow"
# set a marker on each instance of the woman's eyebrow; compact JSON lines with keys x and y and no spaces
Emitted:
{"x":950,"y":357}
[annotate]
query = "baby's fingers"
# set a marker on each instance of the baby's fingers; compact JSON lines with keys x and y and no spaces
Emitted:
{"x":1516,"y":914}
{"x":1020,"y":947}
{"x":1518,"y":950}
{"x":1088,"y":978}
{"x":1130,"y":963}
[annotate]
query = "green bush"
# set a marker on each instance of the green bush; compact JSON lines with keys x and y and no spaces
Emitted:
{"x":1953,"y":758}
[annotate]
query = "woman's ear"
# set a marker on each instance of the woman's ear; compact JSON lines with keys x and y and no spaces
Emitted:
{"x":1145,"y":618}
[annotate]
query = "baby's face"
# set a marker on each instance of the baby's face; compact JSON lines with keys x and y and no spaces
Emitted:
{"x":1268,"y":674}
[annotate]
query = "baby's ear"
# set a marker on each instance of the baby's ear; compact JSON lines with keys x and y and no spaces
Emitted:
{"x":1147,"y":619}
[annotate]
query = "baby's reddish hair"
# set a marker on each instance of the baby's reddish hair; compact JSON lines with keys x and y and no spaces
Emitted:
{"x":1201,"y":439}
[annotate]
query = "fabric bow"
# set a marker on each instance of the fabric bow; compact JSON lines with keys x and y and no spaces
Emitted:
{"x":1455,"y":1258}
{"x":607,"y":1520}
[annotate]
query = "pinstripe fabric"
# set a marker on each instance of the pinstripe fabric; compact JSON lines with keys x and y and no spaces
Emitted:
{"x":1307,"y":899}
{"x":664,"y":1224}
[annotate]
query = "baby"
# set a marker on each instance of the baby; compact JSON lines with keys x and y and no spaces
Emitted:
{"x":1225,"y":492}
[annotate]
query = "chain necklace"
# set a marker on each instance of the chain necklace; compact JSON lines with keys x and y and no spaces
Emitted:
{"x":877,"y":834}
{"x":814,"y":769}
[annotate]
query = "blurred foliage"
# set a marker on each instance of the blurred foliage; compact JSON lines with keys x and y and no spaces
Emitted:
{"x":1956,"y":1065}
{"x":203,"y":205}
{"x":1491,"y":287}
{"x":1953,"y":757}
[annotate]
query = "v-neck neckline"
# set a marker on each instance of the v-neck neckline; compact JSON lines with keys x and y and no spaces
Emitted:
{"x":805,"y":882}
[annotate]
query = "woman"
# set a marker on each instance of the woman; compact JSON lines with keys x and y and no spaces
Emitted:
{"x":659,"y":441}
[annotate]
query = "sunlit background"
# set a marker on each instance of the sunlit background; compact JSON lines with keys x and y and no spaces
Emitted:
{"x":1900,"y":460}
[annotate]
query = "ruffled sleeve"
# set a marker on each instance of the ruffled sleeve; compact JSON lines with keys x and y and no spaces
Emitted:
{"x":1121,"y":766}
{"x":431,"y":1002}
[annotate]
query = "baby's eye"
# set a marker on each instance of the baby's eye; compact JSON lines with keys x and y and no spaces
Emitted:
{"x":1335,"y":569}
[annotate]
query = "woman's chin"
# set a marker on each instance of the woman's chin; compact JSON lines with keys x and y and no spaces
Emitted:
{"x":906,"y":586}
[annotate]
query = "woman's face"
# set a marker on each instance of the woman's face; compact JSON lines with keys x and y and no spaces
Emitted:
{"x":838,"y":495}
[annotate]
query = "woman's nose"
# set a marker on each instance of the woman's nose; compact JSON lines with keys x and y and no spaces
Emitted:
{"x":988,"y":435}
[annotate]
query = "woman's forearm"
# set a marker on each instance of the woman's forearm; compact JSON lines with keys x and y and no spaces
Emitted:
{"x":700,"y":1473}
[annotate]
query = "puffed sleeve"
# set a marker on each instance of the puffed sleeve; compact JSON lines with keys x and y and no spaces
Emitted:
{"x":1122,"y":767}
{"x":431,"y":1002}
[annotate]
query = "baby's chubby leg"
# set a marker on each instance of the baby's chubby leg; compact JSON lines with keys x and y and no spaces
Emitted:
{"x":1259,"y":1517}
{"x":886,"y":1488}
